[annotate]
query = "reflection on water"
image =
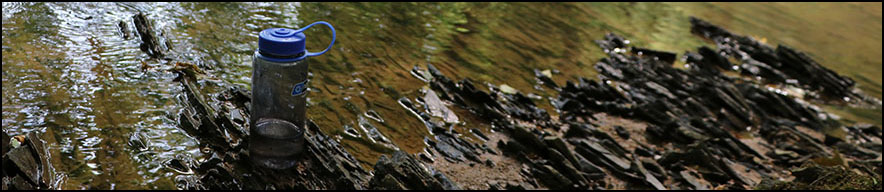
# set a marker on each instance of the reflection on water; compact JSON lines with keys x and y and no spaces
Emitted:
{"x":69,"y":73}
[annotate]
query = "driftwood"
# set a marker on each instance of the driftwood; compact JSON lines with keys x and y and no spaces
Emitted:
{"x":124,"y":29}
{"x":149,"y":40}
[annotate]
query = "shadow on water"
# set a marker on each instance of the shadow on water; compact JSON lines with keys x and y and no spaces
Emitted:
{"x":69,"y":73}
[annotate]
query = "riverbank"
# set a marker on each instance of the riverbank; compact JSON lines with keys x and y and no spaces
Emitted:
{"x":446,"y":136}
{"x":726,"y":120}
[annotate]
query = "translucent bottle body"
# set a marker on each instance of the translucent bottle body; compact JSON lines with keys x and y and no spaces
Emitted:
{"x":277,"y":112}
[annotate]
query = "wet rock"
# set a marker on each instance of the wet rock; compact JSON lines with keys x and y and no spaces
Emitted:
{"x":5,"y":142}
{"x":690,"y":106}
{"x":426,"y":157}
{"x":528,"y":138}
{"x":643,"y":152}
{"x":479,"y":134}
{"x":588,"y":167}
{"x":550,"y":177}
{"x":324,"y":164}
{"x":621,"y":132}
{"x":436,"y":108}
{"x":598,"y":154}
{"x":139,"y":141}
{"x":210,"y":163}
{"x":686,"y":133}
{"x":454,"y":148}
{"x":465,"y":93}
{"x":20,"y":183}
{"x":690,"y":113}
{"x":660,"y":90}
{"x":374,"y":135}
{"x":401,"y":167}
{"x":24,"y":161}
{"x":778,"y":64}
{"x":611,"y":42}
{"x":449,"y":151}
{"x":512,"y":185}
{"x":558,"y":144}
{"x":238,"y":117}
{"x":800,"y":66}
{"x":713,"y":58}
{"x":373,"y":115}
{"x":494,"y":185}
{"x":149,"y":41}
{"x":489,"y":163}
{"x":27,"y":165}
{"x":566,"y":167}
{"x":649,"y":178}
{"x":423,"y":75}
{"x":666,"y":57}
{"x":521,"y":107}
{"x":124,"y":28}
{"x":858,"y":152}
{"x":489,"y":150}
{"x":389,"y":183}
{"x":739,"y":172}
{"x":199,"y":117}
{"x":447,"y":184}
{"x":188,"y":182}
{"x":182,"y":164}
{"x":511,"y":147}
{"x":654,"y":168}
{"x":352,"y":132}
{"x":546,"y":80}
{"x":693,"y":181}
{"x":497,"y":106}
{"x":832,"y":140}
{"x":755,"y":68}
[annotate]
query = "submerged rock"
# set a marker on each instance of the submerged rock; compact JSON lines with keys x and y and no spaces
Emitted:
{"x":545,"y":79}
{"x":149,"y":41}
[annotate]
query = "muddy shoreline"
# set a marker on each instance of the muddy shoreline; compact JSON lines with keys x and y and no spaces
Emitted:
{"x":725,"y":121}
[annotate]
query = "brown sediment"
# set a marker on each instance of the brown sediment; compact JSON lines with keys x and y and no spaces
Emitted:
{"x":477,"y":176}
{"x":635,"y":128}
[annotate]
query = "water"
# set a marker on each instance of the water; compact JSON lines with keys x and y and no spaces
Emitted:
{"x":69,"y":74}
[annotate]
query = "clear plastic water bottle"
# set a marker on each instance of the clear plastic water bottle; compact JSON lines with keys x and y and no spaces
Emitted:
{"x":279,"y":88}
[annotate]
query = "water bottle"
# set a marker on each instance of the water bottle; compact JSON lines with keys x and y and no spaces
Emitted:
{"x":279,"y":88}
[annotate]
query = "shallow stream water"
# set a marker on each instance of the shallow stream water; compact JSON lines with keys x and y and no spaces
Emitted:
{"x":70,"y":74}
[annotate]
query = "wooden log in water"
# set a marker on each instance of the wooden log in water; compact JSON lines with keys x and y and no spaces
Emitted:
{"x":124,"y":28}
{"x":150,"y":42}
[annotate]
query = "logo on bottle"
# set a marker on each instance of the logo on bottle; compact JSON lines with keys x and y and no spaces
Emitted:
{"x":299,"y":89}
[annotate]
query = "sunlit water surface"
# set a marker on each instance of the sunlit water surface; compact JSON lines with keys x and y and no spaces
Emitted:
{"x":69,"y":73}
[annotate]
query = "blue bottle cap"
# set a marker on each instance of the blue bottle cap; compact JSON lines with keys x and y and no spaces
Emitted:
{"x":284,"y":43}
